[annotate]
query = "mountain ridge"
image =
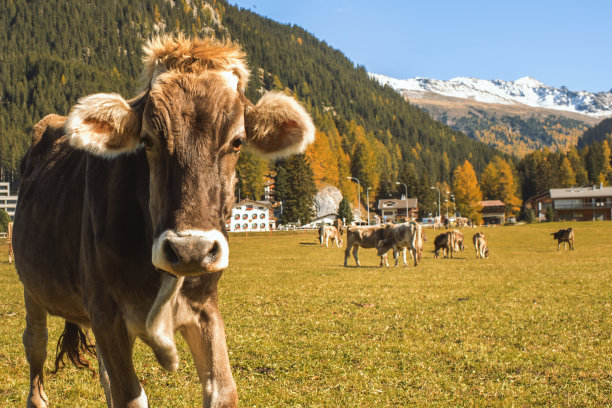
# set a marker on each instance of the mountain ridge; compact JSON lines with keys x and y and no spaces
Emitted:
{"x":524,"y":91}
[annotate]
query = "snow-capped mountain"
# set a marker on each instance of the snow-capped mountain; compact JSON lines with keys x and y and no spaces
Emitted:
{"x":526,"y":91}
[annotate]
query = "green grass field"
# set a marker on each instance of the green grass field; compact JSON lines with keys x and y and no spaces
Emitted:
{"x":529,"y":326}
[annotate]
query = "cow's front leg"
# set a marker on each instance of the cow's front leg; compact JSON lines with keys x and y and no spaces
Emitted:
{"x":205,"y":335}
{"x":404,"y":250}
{"x":114,"y":345}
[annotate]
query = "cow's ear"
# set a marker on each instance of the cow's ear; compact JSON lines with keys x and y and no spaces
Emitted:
{"x":278,"y":126}
{"x":104,"y":125}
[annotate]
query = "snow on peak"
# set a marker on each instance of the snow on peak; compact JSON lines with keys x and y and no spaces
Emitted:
{"x":526,"y":90}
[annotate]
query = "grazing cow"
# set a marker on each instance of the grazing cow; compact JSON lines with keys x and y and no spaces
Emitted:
{"x":339,"y":225}
{"x":404,"y":237}
{"x":120,"y":222}
{"x":480,"y":245}
{"x":566,"y":236}
{"x":329,"y":231}
{"x":446,"y":243}
{"x":365,"y":237}
{"x":458,"y":241}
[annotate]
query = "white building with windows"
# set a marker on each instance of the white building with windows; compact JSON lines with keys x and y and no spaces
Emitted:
{"x":250,"y":215}
{"x":7,"y":202}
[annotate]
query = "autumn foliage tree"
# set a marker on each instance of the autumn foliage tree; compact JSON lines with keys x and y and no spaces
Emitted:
{"x":467,"y":192}
{"x":498,"y":182}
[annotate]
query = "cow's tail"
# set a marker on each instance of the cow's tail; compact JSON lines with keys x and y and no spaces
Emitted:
{"x":74,"y":344}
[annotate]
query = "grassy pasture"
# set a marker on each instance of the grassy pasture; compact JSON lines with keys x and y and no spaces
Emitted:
{"x":530,"y":326}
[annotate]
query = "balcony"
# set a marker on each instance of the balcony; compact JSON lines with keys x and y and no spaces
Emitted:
{"x":584,"y":206}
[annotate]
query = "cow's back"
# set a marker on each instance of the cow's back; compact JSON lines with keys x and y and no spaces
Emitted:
{"x":47,"y":229}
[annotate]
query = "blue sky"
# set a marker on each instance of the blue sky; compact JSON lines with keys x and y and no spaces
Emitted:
{"x":557,"y":42}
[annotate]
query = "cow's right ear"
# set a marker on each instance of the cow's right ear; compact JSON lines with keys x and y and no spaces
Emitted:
{"x":104,"y":125}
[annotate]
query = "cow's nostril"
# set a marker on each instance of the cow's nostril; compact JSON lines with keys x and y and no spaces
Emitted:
{"x":214,"y":250}
{"x":171,"y":255}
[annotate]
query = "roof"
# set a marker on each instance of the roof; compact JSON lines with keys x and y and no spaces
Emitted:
{"x":396,"y":203}
{"x":581,"y":192}
{"x":492,"y":203}
{"x":243,"y":202}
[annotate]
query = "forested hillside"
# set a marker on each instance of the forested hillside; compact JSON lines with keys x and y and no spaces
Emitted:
{"x":595,"y":134}
{"x":519,"y":136}
{"x":53,"y":52}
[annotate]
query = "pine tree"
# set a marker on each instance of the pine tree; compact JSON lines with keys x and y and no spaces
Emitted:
{"x":344,"y":211}
{"x":467,"y":192}
{"x":295,"y":187}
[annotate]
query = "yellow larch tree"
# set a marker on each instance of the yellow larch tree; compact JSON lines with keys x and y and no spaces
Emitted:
{"x":467,"y":192}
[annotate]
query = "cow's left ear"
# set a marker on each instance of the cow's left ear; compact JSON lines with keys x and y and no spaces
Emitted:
{"x":278,"y":126}
{"x":104,"y":125}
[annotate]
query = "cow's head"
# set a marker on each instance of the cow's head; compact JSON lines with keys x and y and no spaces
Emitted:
{"x":192,"y":119}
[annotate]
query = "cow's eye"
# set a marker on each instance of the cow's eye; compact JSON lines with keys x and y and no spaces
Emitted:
{"x":146,"y":141}
{"x":237,"y":143}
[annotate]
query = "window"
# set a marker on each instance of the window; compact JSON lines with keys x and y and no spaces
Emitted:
{"x":249,"y":207}
{"x":245,"y":226}
{"x":254,"y":226}
{"x":237,"y":226}
{"x":237,"y":217}
{"x":263,"y":225}
{"x":262,"y":216}
{"x":245,"y":216}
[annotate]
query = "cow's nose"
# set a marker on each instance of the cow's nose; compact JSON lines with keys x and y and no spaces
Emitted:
{"x":192,"y":252}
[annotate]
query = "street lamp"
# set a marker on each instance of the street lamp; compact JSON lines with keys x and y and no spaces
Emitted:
{"x":368,"y":202}
{"x":405,"y":197}
{"x":446,"y":201}
{"x":358,"y":190}
{"x":438,"y":190}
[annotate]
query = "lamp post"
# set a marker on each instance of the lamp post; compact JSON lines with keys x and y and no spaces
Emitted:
{"x":454,"y":208}
{"x":438,"y":190}
{"x":368,"y":202}
{"x":405,"y":197}
{"x":446,"y":201}
{"x":358,"y":190}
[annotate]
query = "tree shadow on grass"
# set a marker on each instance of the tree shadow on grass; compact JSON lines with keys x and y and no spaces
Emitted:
{"x":308,"y":243}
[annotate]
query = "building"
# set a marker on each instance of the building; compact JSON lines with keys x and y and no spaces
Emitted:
{"x":8,"y":202}
{"x":493,"y":211}
{"x":394,"y":210}
{"x":539,"y":204}
{"x":250,"y":215}
{"x":582,"y":203}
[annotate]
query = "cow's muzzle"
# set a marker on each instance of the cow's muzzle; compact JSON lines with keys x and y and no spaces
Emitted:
{"x":191,"y":252}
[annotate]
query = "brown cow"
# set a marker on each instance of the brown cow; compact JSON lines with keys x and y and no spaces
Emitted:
{"x":339,"y":224}
{"x":140,"y":191}
{"x":458,"y":241}
{"x":327,"y":232}
{"x":566,"y":236}
{"x":365,"y":237}
{"x":402,"y":238}
{"x":446,"y":243}
{"x":480,"y":245}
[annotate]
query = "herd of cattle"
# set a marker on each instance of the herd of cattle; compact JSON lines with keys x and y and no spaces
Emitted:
{"x":409,"y":237}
